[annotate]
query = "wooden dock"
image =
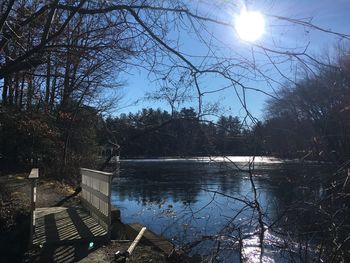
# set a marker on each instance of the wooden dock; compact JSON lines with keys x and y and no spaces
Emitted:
{"x":62,"y":225}
{"x":68,"y":234}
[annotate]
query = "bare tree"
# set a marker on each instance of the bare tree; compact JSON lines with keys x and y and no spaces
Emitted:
{"x":61,"y":54}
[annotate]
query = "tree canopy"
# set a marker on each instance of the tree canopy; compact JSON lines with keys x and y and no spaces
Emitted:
{"x":312,"y":117}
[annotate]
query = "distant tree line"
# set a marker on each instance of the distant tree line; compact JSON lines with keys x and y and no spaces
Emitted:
{"x":310,"y":120}
{"x":154,"y":132}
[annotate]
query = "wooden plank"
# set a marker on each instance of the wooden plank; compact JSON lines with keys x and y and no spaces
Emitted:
{"x":96,"y":193}
{"x":96,"y":214}
{"x":109,"y":207}
{"x":100,"y":177}
{"x":151,"y":238}
{"x":61,"y":225}
{"x":33,"y":177}
{"x":34,"y":174}
{"x":96,"y":171}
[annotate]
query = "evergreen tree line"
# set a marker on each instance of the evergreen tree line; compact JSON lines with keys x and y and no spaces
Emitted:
{"x":155,"y":132}
{"x":309,"y":120}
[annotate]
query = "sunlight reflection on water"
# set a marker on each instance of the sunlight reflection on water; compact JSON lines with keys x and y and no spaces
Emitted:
{"x":185,"y":200}
{"x":233,"y":159}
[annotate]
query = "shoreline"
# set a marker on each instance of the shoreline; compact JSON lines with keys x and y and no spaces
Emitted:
{"x":14,"y":234}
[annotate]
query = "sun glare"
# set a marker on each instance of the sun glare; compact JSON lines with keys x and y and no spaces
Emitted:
{"x":250,"y":25}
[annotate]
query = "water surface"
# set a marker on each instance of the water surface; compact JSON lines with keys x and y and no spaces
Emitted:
{"x":191,"y":200}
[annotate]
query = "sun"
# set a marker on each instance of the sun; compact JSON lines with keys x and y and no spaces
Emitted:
{"x":250,"y":25}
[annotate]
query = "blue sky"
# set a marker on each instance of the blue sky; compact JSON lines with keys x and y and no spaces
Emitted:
{"x":332,"y":15}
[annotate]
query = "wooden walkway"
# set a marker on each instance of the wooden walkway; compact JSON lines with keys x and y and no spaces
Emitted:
{"x":61,"y":225}
{"x":68,"y":234}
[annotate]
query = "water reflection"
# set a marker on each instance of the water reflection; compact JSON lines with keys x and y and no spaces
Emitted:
{"x":189,"y":201}
{"x":182,"y":182}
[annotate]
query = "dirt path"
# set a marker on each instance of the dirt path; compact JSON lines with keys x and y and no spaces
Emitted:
{"x":15,"y":197}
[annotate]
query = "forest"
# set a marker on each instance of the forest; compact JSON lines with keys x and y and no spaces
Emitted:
{"x":59,"y":86}
{"x":309,"y":121}
{"x":64,"y":65}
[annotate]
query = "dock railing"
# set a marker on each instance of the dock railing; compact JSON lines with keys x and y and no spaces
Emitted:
{"x":96,"y":195}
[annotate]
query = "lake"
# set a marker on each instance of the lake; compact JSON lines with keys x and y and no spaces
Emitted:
{"x":206,"y":206}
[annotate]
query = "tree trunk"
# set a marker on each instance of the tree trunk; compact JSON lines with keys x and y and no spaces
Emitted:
{"x":20,"y":102}
{"x":66,"y":85}
{"x":48,"y":80}
{"x":6,"y":79}
{"x":29,"y":92}
{"x":16,"y":87}
{"x":4,"y":91}
{"x":53,"y":91}
{"x":10,"y":91}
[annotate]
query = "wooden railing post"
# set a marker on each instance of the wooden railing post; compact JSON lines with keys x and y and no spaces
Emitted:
{"x":33,"y":177}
